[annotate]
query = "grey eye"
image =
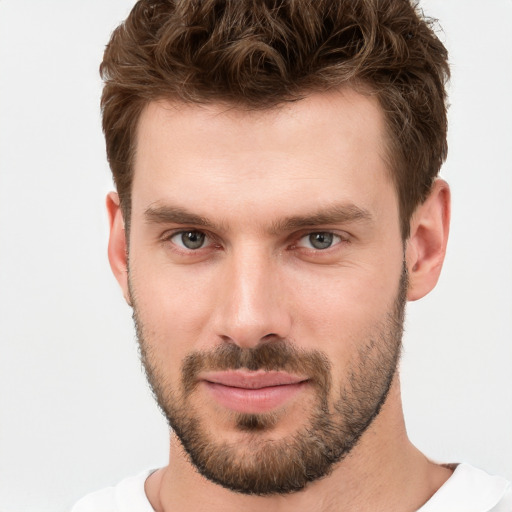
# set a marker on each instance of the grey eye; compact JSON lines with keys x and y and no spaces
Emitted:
{"x":321,"y":240}
{"x":189,"y":239}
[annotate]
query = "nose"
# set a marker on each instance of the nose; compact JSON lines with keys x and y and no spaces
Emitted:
{"x":251,"y":307}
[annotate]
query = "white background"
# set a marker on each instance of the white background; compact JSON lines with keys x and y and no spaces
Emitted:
{"x":75,"y":413}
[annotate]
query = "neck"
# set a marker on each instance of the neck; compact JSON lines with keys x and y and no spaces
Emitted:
{"x":383,"y":472}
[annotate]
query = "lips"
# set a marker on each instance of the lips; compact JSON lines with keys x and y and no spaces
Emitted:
{"x":252,"y":380}
{"x":252,"y":392}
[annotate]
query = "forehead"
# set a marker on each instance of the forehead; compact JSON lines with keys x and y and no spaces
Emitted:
{"x":337,"y":116}
{"x":325,"y":147}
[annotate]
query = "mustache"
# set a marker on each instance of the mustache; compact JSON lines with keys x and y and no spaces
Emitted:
{"x":274,"y":355}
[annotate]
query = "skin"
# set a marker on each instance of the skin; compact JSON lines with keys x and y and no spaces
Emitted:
{"x":246,"y":172}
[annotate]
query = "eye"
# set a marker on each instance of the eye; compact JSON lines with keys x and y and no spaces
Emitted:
{"x":320,"y":240}
{"x":191,"y":240}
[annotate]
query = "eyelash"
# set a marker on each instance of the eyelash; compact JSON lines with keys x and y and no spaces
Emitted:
{"x":336,"y":239}
{"x":169,"y":238}
{"x":339,"y":239}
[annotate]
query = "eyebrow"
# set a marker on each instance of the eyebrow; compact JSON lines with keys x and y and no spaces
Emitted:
{"x":176,"y":215}
{"x":335,"y":214}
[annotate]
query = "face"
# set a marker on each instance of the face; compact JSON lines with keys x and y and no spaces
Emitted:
{"x":266,"y":276}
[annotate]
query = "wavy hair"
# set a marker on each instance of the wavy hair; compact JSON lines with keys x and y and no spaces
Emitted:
{"x":256,"y":54}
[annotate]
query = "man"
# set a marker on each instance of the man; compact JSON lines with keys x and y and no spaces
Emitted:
{"x":277,"y":203}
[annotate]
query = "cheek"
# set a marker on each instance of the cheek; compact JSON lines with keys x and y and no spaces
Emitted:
{"x":174,"y":303}
{"x":339,"y":311}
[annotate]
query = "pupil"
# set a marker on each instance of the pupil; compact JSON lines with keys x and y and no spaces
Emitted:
{"x":321,"y":240}
{"x":192,"y":239}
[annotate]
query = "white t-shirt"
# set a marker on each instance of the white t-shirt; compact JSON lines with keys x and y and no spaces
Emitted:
{"x":467,"y":490}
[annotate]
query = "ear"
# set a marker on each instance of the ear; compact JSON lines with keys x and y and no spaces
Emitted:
{"x":426,"y":246}
{"x":117,"y":246}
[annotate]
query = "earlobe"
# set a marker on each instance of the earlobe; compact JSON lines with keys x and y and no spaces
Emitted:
{"x":117,"y":246}
{"x":426,"y":247}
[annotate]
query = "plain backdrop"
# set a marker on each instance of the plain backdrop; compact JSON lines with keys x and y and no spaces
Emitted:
{"x":75,"y":412}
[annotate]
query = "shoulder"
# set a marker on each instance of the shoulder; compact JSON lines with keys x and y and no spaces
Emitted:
{"x":127,"y":496}
{"x":103,"y":501}
{"x":471,"y":489}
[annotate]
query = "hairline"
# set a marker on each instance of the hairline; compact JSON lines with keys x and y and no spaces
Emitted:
{"x":392,"y":163}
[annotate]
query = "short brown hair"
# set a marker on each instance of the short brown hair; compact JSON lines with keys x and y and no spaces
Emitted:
{"x":260,"y":53}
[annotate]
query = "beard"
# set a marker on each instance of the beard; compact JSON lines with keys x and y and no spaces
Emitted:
{"x":332,"y":427}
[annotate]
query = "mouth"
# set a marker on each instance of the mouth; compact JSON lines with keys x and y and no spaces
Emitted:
{"x":252,"y":392}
